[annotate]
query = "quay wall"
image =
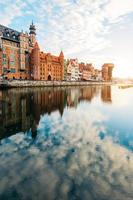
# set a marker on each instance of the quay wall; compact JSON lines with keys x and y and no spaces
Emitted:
{"x":17,"y":84}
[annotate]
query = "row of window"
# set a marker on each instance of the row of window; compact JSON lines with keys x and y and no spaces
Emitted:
{"x":25,"y":39}
{"x":14,"y":44}
{"x":12,"y":70}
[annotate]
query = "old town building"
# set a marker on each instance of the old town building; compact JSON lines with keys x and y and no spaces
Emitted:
{"x":107,"y":69}
{"x":15,"y":49}
{"x":87,"y":71}
{"x":73,"y":73}
{"x":90,"y":73}
{"x":21,"y":58}
{"x":45,"y":66}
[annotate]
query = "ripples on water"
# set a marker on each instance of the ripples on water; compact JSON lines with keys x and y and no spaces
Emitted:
{"x":68,"y":143}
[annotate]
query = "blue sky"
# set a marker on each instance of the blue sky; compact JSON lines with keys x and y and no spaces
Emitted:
{"x":94,"y":31}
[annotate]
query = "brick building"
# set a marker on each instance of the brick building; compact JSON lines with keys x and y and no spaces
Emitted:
{"x":21,"y":58}
{"x":107,"y":70}
{"x":15,"y":49}
{"x":46,"y":66}
{"x":90,"y":73}
{"x":87,"y":71}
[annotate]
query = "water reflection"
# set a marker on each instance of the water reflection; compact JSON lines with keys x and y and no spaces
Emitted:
{"x":21,"y":108}
{"x":64,"y":148}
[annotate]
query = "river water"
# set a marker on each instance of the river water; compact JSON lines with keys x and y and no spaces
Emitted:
{"x":66,"y":143}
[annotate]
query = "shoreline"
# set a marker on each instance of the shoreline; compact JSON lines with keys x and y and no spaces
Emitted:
{"x":25,"y":83}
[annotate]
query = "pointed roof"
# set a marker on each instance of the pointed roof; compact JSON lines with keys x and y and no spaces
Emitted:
{"x":32,"y":28}
{"x":61,"y":54}
{"x":36,"y":46}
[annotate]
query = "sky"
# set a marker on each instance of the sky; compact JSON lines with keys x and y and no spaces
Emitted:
{"x":94,"y":31}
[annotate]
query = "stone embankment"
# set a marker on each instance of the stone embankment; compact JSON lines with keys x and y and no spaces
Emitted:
{"x":17,"y":84}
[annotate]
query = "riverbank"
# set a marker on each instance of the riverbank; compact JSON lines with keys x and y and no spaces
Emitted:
{"x":25,"y":83}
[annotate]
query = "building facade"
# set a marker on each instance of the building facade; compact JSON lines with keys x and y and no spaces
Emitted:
{"x":90,"y":73}
{"x":21,"y":58}
{"x":46,"y":66}
{"x":87,"y":71}
{"x":73,"y":73}
{"x":15,"y":49}
{"x":107,"y":70}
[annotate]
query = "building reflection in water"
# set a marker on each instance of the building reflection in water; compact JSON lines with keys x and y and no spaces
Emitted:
{"x":106,"y":94}
{"x":20,"y":109}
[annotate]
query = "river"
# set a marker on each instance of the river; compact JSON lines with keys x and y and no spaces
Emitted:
{"x":69,"y":143}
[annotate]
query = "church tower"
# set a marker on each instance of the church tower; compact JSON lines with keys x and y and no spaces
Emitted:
{"x":32,"y":34}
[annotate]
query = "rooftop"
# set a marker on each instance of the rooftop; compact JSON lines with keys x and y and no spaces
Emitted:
{"x":9,"y":34}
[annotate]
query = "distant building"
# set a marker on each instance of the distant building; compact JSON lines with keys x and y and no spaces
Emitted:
{"x":73,"y":70}
{"x":98,"y":75}
{"x":87,"y":71}
{"x":107,"y":69}
{"x":90,"y":73}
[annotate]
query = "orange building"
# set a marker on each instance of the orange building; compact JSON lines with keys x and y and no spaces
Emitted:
{"x":15,"y":49}
{"x":20,"y":57}
{"x":90,"y":73}
{"x":87,"y":71}
{"x":107,"y":69}
{"x":45,"y":66}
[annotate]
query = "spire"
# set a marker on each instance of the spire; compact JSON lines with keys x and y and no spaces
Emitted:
{"x":32,"y":28}
{"x":61,"y":54}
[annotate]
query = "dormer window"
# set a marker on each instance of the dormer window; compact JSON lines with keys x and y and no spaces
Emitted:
{"x":8,"y":34}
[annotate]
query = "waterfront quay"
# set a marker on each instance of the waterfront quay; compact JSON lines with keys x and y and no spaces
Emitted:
{"x":32,"y":83}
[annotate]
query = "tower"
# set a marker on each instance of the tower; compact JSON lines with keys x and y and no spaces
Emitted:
{"x":35,"y":62}
{"x":107,"y":70}
{"x":61,"y":58}
{"x":110,"y":70}
{"x":32,"y":34}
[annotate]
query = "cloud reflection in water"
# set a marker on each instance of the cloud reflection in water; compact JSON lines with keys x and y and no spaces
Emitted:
{"x":67,"y":160}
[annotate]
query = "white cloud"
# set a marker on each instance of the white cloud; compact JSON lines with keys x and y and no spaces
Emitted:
{"x":116,"y":9}
{"x":80,"y":159}
{"x":80,"y":28}
{"x":10,"y":11}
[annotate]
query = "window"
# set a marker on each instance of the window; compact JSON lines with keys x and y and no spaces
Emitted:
{"x":4,"y":55}
{"x":13,"y":70}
